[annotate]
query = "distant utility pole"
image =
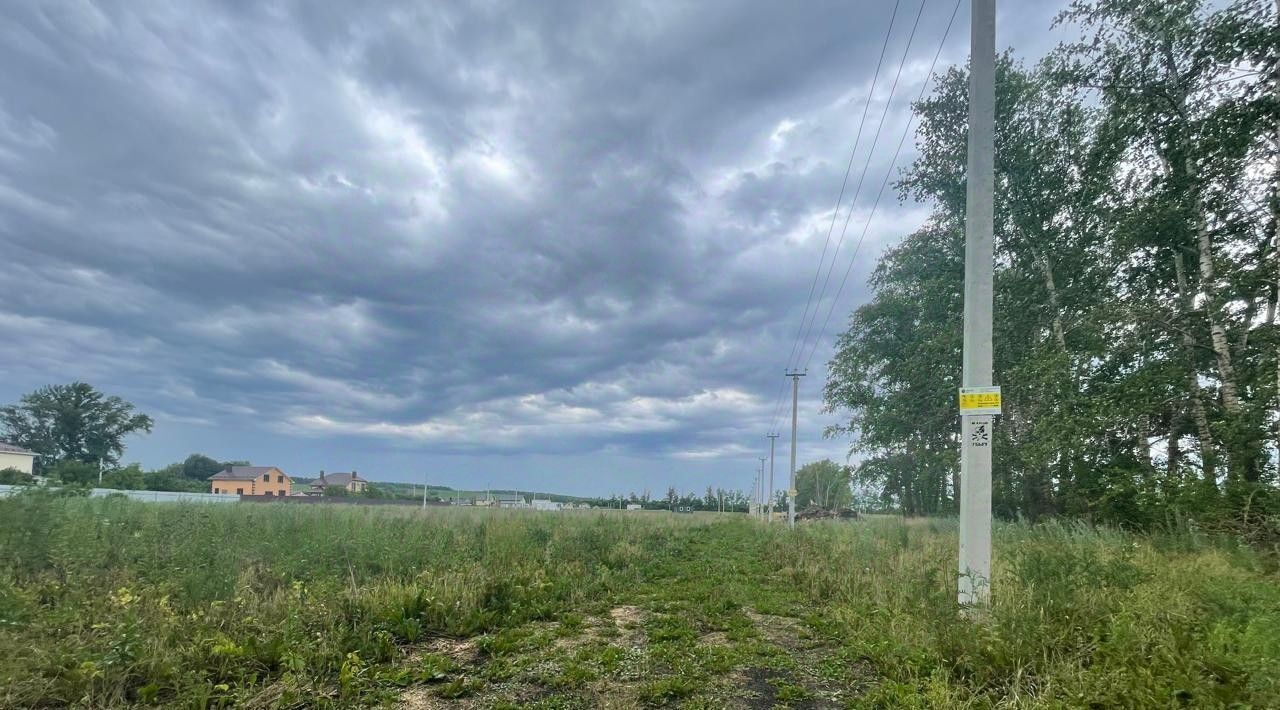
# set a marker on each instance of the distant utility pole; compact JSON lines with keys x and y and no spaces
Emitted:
{"x":424,"y":491}
{"x":762,"y":484}
{"x":978,"y":399}
{"x":795,"y":376}
{"x":772,"y":439}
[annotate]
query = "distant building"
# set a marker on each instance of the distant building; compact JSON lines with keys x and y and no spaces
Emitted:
{"x":634,"y":506}
{"x":351,"y":482}
{"x":540,"y":504}
{"x":251,"y":481}
{"x":17,"y":457}
{"x":510,"y":500}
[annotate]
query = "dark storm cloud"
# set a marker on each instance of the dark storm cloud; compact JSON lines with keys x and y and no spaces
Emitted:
{"x":460,"y":226}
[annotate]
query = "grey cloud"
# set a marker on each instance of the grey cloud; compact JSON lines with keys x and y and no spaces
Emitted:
{"x":368,"y":220}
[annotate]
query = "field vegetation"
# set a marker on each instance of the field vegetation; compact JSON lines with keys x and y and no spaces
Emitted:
{"x":109,"y":603}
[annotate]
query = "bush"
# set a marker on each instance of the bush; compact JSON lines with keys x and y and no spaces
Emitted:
{"x":75,"y":472}
{"x":129,"y":478}
{"x":14,"y":477}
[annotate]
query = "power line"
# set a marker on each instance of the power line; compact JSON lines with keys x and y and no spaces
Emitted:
{"x":777,"y":406}
{"x":892,"y":163}
{"x":797,"y":345}
{"x":862,"y":177}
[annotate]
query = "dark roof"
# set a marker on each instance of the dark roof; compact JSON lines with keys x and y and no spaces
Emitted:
{"x":337,"y":479}
{"x":7,"y":448}
{"x":242,"y":473}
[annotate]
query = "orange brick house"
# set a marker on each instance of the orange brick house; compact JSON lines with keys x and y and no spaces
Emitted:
{"x":251,"y":481}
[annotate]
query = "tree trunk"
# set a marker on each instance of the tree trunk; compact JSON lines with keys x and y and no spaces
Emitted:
{"x":1241,"y":443}
{"x":1199,"y":416}
{"x":1144,"y":442}
{"x":1204,"y":247}
{"x":1046,"y":269}
{"x":1217,"y":333}
{"x":1275,"y":226}
{"x":1173,"y":449}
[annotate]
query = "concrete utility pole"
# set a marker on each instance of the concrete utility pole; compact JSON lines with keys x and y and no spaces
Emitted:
{"x":772,"y":439}
{"x":762,"y":486}
{"x":424,"y":491}
{"x":795,"y":406}
{"x":759,"y":488}
{"x":975,"y":428}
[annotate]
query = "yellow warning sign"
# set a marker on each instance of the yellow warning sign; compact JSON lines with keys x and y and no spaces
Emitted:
{"x":979,"y":400}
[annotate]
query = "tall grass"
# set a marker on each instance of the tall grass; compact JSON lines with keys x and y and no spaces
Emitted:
{"x":115,"y":602}
{"x":112,"y":602}
{"x":1081,"y":616}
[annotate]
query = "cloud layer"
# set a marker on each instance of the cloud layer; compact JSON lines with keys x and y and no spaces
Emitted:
{"x":438,"y":229}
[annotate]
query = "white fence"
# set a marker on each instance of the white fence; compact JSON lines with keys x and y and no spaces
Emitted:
{"x":148,"y":496}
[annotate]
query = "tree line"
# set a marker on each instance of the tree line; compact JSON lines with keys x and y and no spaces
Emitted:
{"x":79,"y":434}
{"x":1137,"y":282}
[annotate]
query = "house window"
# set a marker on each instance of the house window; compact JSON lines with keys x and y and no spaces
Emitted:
{"x":266,"y":477}
{"x":239,"y":491}
{"x":271,"y":493}
{"x":280,"y":478}
{"x":217,"y":490}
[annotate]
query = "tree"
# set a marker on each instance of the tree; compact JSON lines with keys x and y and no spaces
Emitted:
{"x":170,"y":478}
{"x":199,"y":467}
{"x":129,"y":478}
{"x":1137,"y":311}
{"x":824,"y":483}
{"x":72,"y":422}
{"x":76,"y":473}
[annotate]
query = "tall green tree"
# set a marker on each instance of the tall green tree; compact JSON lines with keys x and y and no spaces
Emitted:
{"x":72,"y":422}
{"x":199,"y":467}
{"x":1137,"y":277}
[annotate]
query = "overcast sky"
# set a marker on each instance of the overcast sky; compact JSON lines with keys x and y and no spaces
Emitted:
{"x":562,"y":246}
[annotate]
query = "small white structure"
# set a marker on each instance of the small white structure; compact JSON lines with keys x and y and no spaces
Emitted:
{"x":541,"y":504}
{"x":17,"y":457}
{"x":633,"y":506}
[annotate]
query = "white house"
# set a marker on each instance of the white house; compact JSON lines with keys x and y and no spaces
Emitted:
{"x":540,"y":504}
{"x":633,"y":506}
{"x":17,"y":457}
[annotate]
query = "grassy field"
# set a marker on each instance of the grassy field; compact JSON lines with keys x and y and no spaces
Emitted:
{"x":108,"y":603}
